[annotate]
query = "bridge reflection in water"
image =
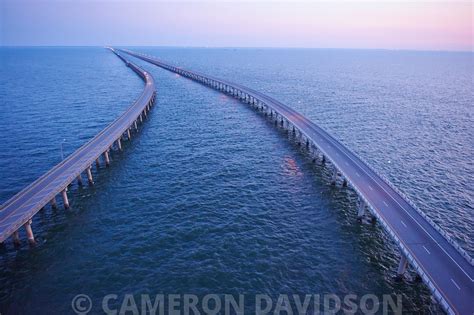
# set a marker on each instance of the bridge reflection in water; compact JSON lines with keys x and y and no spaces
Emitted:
{"x":442,"y":264}
{"x":19,"y":210}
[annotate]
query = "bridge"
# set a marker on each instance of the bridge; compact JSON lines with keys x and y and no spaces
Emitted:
{"x":19,"y":210}
{"x":442,"y":264}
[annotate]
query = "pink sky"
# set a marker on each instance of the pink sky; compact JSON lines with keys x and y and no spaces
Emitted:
{"x":423,"y":25}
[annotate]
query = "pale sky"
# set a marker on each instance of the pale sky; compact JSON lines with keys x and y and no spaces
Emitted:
{"x":418,"y":25}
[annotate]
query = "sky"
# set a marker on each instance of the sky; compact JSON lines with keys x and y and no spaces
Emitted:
{"x":402,"y":24}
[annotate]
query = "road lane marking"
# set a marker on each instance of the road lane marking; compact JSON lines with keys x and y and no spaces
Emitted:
{"x":385,"y":203}
{"x":357,"y":163}
{"x":406,"y":211}
{"x":370,"y":187}
{"x":456,"y":284}
{"x":358,"y":174}
{"x":426,"y":249}
{"x":403,"y":223}
{"x":415,"y":221}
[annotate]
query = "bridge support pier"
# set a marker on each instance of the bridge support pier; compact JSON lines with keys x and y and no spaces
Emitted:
{"x":128,"y":134}
{"x":107,"y":159}
{"x":334,"y":177}
{"x":16,"y":238}
{"x":89,"y":176}
{"x":29,"y":232}
{"x":54,"y":205}
{"x":119,"y":144}
{"x":136,"y":126}
{"x":402,"y":266}
{"x":361,"y":211}
{"x":65,"y":199}
{"x":344,"y":182}
{"x":79,"y":180}
{"x":97,"y":163}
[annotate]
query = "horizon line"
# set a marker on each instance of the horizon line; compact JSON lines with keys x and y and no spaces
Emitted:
{"x":242,"y":47}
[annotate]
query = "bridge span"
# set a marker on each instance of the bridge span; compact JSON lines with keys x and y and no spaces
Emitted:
{"x":19,"y":210}
{"x":442,"y":264}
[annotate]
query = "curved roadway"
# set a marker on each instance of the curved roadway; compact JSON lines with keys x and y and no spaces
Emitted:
{"x":443,"y":265}
{"x":19,"y":209}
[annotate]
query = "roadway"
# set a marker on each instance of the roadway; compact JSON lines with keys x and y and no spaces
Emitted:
{"x":21,"y":208}
{"x":443,"y":265}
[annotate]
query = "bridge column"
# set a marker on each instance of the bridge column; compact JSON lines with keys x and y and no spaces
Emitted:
{"x":334,"y":177}
{"x":299,"y":136}
{"x":107,"y":159}
{"x":97,"y":163}
{"x":402,"y":265}
{"x":135,"y":124}
{"x":29,"y":232}
{"x":89,"y":176}
{"x":16,"y":238}
{"x":119,"y":144}
{"x":128,"y":134}
{"x":54,"y":205}
{"x":144,"y":112}
{"x":141,"y":117}
{"x":79,"y":180}
{"x":361,"y":211}
{"x":65,"y":199}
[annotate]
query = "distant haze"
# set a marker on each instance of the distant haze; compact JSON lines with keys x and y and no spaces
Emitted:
{"x":419,"y":25}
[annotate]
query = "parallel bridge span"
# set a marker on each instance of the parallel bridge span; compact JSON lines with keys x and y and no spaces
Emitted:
{"x":19,"y":210}
{"x":442,"y":264}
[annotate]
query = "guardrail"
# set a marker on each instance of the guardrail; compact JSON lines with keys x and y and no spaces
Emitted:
{"x":251,"y":96}
{"x":19,"y":210}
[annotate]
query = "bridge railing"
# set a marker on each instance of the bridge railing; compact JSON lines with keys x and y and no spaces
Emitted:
{"x":78,"y":161}
{"x":270,"y":103}
{"x":258,"y":95}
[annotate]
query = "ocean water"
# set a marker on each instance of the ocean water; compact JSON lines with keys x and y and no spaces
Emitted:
{"x":209,"y":197}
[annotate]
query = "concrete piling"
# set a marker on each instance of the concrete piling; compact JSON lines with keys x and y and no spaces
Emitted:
{"x":79,"y":180}
{"x":119,"y":144}
{"x":29,"y":232}
{"x":402,"y":266}
{"x":361,"y":211}
{"x":16,"y":238}
{"x":65,"y":199}
{"x":54,"y":205}
{"x":334,"y":177}
{"x":89,"y":176}
{"x":107,"y":158}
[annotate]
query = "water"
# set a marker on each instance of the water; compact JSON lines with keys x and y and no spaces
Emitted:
{"x":209,"y":197}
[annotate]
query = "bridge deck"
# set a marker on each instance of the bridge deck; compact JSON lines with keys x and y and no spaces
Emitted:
{"x":19,"y":209}
{"x":443,"y":265}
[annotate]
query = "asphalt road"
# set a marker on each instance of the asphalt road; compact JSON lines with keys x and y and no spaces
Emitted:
{"x":446,"y":270}
{"x":19,"y":209}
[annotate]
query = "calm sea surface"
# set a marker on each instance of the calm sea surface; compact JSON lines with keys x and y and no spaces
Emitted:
{"x":209,"y":197}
